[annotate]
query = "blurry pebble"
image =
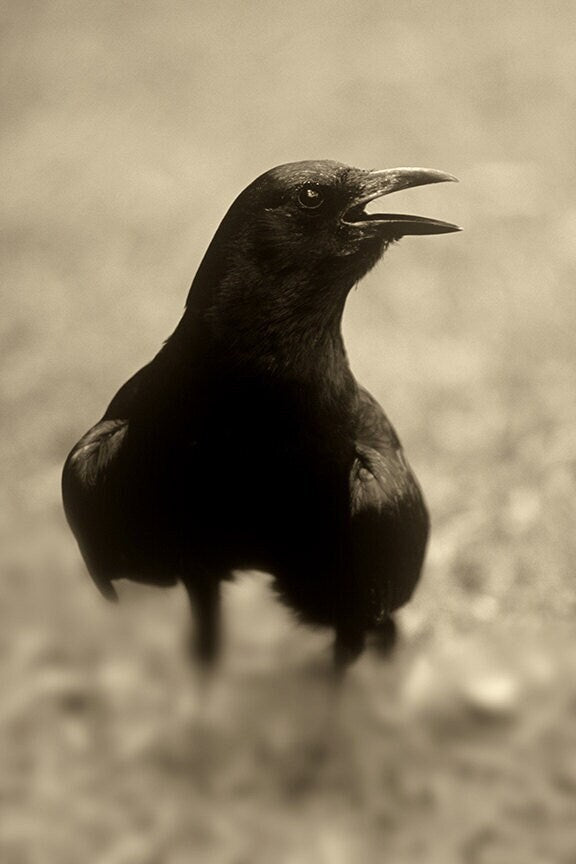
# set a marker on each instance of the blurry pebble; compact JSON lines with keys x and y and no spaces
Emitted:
{"x":524,"y":509}
{"x":485,"y":607}
{"x":448,"y":689}
{"x":493,"y":695}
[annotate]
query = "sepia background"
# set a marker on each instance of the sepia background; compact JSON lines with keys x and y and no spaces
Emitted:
{"x":127,"y":129}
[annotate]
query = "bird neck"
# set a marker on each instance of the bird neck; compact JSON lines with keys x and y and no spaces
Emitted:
{"x":266,"y":323}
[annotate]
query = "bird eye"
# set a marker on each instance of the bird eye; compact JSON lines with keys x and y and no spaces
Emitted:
{"x":310,"y":198}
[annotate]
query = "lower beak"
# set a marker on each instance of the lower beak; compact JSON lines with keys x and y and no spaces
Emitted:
{"x":376,"y":184}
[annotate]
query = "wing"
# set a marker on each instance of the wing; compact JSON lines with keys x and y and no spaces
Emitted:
{"x":388,"y":515}
{"x":88,"y":490}
{"x":97,"y":500}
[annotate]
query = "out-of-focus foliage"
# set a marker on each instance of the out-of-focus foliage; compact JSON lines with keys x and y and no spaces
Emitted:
{"x":127,"y":128}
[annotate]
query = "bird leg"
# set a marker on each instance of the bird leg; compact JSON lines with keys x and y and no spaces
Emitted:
{"x":348,"y":645}
{"x":204,"y":595}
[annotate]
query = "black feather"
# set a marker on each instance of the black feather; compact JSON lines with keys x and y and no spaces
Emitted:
{"x":246,"y":442}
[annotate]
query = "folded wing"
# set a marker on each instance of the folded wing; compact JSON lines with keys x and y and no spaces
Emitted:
{"x":389,"y":521}
{"x":89,"y":489}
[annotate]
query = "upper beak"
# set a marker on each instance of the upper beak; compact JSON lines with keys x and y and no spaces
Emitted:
{"x":375,"y":184}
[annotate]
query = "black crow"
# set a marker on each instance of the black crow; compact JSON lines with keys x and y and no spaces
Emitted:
{"x":246,"y":443}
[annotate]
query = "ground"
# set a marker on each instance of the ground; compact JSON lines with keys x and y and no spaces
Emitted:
{"x":127,"y":130}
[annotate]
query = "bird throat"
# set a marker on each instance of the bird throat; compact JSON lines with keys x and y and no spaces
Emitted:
{"x":290,"y":326}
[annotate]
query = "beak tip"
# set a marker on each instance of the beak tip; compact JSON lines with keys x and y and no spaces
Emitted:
{"x":454,"y":229}
{"x":443,"y":177}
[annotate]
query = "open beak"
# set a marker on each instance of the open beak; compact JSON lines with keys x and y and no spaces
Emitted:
{"x":376,"y":184}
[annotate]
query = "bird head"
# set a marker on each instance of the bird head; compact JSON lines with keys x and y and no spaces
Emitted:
{"x":312,"y":215}
{"x":299,"y":235}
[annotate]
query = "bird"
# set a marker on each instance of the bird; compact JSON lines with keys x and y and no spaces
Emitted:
{"x":246,"y":443}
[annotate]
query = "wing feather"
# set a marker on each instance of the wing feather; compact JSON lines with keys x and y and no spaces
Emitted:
{"x":87,"y":480}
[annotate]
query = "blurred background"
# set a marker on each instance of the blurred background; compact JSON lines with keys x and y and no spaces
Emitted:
{"x":127,"y":130}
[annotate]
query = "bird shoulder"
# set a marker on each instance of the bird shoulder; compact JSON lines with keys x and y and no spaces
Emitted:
{"x":96,"y":451}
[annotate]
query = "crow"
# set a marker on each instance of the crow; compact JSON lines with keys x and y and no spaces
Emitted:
{"x":247,"y":443}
